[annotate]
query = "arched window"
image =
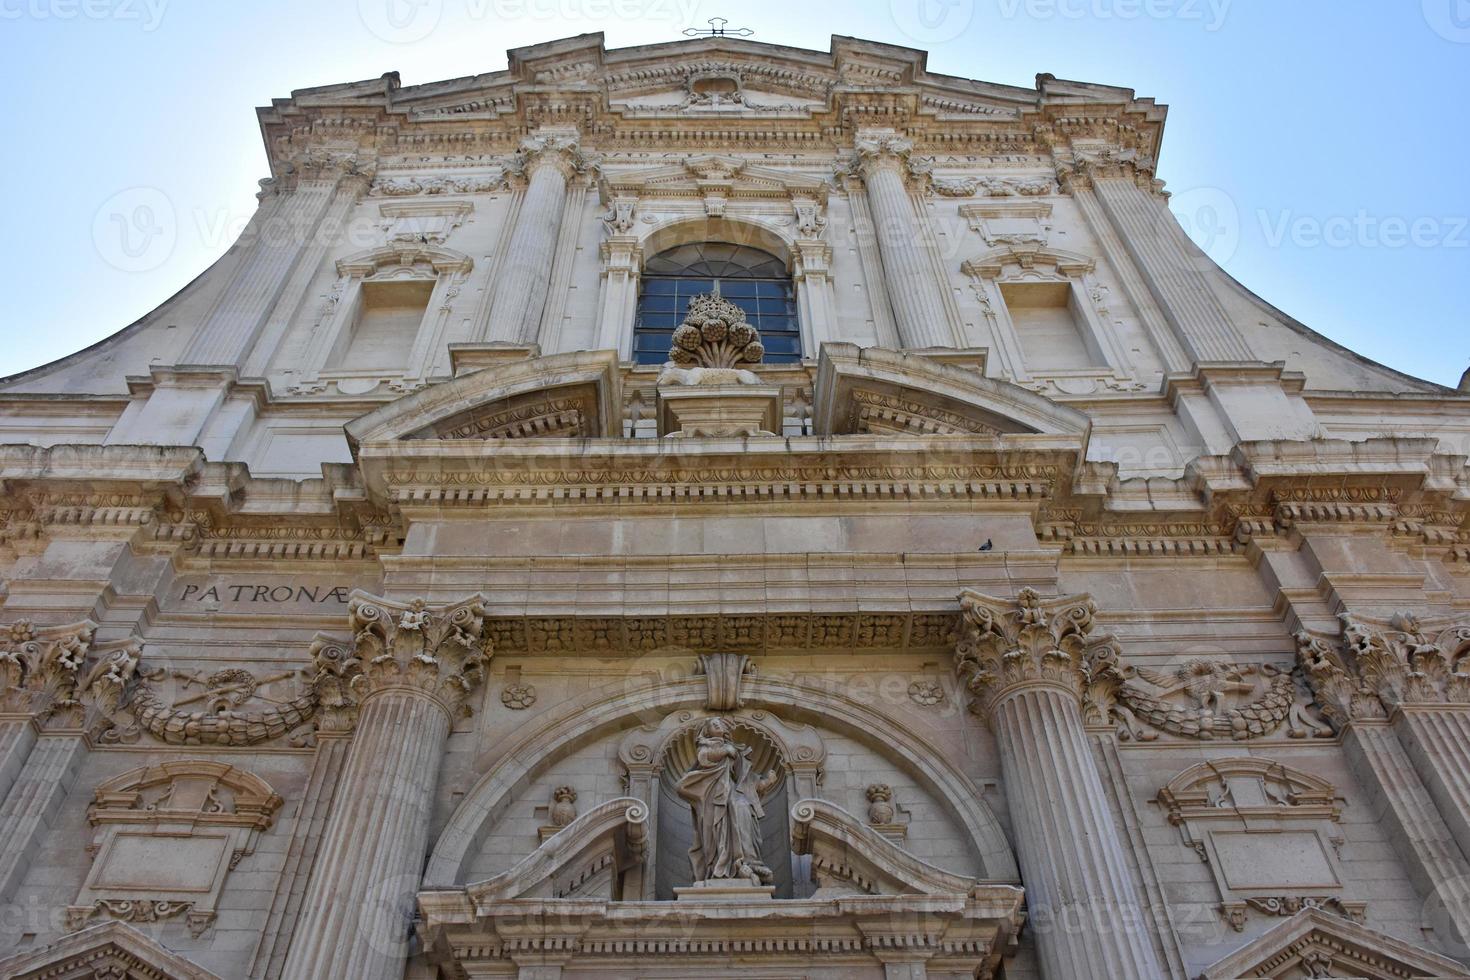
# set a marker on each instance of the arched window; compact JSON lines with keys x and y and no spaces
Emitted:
{"x":753,"y":280}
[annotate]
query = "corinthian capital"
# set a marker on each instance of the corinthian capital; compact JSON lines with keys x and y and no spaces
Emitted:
{"x":438,"y":650}
{"x":39,"y":666}
{"x":550,"y":149}
{"x":1008,"y":644}
{"x":1385,"y":665}
{"x":882,"y":149}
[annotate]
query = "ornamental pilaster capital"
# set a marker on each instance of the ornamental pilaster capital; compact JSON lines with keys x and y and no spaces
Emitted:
{"x":439,"y":651}
{"x":881,"y":150}
{"x":315,"y":163}
{"x":560,"y":150}
{"x":1080,"y":168}
{"x":40,"y":667}
{"x":1008,"y":645}
{"x":1381,"y":666}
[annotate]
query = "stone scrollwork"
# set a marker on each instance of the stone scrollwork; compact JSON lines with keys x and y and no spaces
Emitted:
{"x":1007,"y":644}
{"x":723,"y":673}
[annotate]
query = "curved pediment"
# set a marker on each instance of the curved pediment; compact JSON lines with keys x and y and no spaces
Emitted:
{"x":575,"y":395}
{"x":874,"y":391}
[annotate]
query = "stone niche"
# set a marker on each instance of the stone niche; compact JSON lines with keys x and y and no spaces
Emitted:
{"x":167,"y":837}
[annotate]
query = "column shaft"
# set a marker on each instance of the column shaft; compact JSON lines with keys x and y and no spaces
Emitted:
{"x":1421,"y":836}
{"x":17,"y":736}
{"x":1171,"y":268}
{"x":525,"y":273}
{"x":1437,"y":742}
{"x":918,"y":309}
{"x":1082,"y":905}
{"x":276,"y":240}
{"x":32,"y":803}
{"x":355,"y":919}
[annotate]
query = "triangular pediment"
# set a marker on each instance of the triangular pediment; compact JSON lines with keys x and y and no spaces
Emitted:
{"x":874,"y":391}
{"x":577,"y":395}
{"x":111,"y":949}
{"x":1314,"y":943}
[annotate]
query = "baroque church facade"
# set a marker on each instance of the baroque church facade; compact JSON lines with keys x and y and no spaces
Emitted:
{"x":715,"y":508}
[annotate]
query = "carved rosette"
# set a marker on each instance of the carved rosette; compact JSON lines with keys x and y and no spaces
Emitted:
{"x":1007,"y":645}
{"x":439,"y":650}
{"x":1383,"y":666}
{"x":39,"y":666}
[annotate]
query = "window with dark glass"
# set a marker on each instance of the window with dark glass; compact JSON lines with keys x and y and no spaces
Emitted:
{"x":753,"y":280}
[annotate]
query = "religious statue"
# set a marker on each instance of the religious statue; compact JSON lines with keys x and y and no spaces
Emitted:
{"x":725,"y":797}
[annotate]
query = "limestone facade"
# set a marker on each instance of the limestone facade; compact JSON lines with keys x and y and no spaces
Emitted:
{"x":1064,"y":610}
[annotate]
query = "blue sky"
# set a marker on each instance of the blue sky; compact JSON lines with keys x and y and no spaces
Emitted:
{"x":1317,"y":149}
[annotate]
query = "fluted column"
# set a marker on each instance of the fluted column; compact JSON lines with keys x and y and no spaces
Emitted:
{"x":1027,"y":662}
{"x":918,"y":305}
{"x":41,"y":741}
{"x":1392,"y":692}
{"x":548,"y":161}
{"x":409,"y":669}
{"x":282,"y":231}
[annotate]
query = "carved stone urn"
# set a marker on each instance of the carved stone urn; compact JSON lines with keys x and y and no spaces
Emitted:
{"x":563,"y":806}
{"x":880,"y":804}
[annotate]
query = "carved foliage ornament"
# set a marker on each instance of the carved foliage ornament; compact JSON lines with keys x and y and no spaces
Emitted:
{"x":1205,"y":698}
{"x":39,"y":666}
{"x":1009,"y":643}
{"x":715,"y":334}
{"x":441,"y":650}
{"x":1382,"y":666}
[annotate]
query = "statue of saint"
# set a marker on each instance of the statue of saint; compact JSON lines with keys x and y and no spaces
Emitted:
{"x":725,"y":797}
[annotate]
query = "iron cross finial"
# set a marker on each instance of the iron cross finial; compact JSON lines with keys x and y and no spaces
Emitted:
{"x":717,"y":28}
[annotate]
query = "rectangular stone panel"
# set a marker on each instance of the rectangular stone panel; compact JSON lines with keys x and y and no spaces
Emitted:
{"x":1291,"y":860}
{"x":177,"y":863}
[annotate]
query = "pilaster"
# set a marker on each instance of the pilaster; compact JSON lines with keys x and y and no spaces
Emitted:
{"x":406,"y":673}
{"x":1027,"y":663}
{"x":916,"y":296}
{"x":548,"y":160}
